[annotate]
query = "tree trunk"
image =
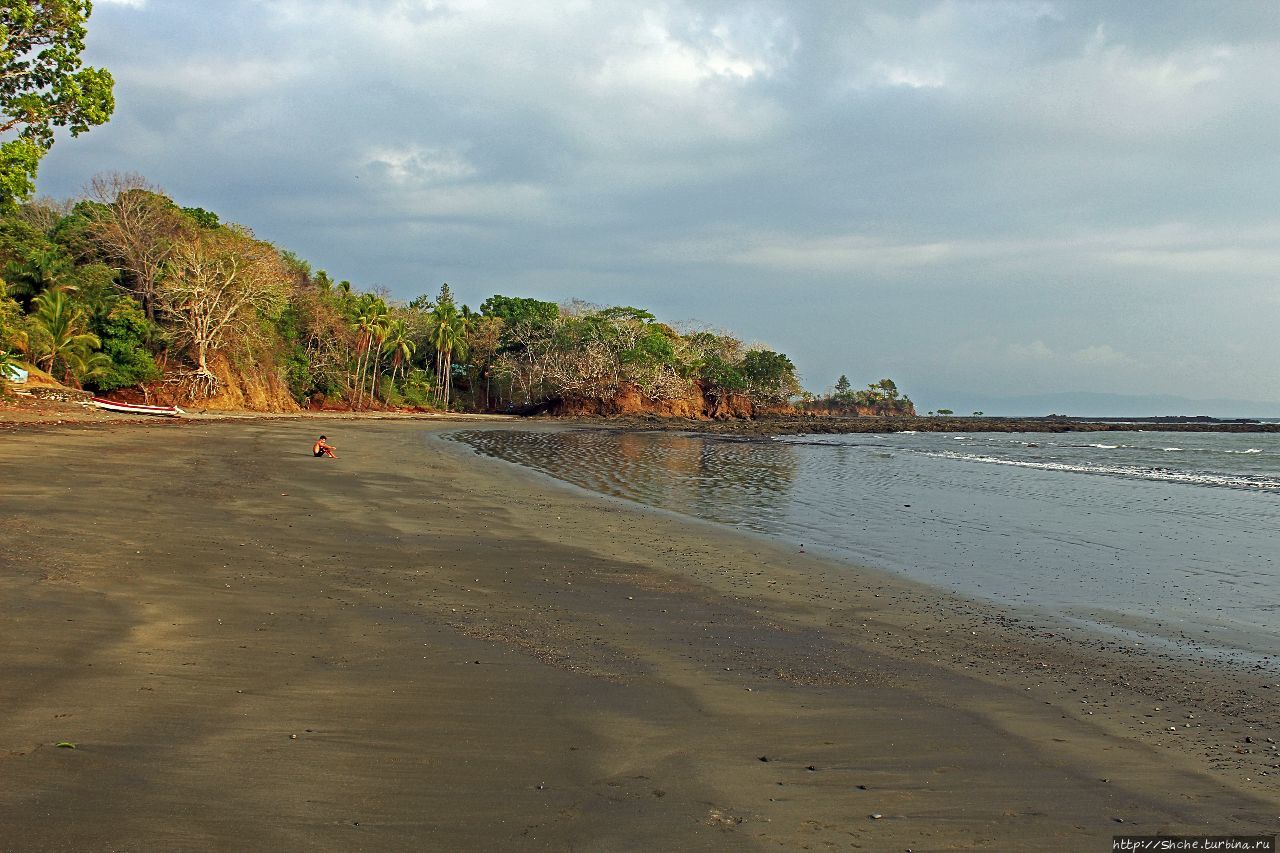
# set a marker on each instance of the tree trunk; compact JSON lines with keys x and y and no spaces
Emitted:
{"x":448,"y":378}
{"x":364,"y":352}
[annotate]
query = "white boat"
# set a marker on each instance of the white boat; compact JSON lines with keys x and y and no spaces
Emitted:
{"x":135,"y":409}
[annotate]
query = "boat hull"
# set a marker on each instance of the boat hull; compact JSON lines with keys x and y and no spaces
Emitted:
{"x":133,"y":409}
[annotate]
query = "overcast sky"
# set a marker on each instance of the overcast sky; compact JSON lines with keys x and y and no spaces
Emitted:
{"x":1012,"y":198}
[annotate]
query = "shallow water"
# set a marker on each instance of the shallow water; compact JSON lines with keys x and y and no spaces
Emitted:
{"x":1164,"y":538}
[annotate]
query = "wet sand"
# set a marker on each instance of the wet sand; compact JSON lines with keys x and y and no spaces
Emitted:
{"x":412,"y":647}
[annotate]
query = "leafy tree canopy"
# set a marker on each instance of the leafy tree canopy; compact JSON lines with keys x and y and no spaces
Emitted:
{"x":43,"y":86}
{"x":209,"y":219}
{"x":520,"y":309}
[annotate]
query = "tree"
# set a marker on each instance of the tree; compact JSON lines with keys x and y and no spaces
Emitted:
{"x":448,"y":331}
{"x":369,"y":325}
{"x":400,"y":345}
{"x":716,"y":360}
{"x":65,"y":345}
{"x":8,"y":361}
{"x":133,"y":223}
{"x":945,"y":412}
{"x":43,"y":86}
{"x":214,"y":286}
{"x":13,"y":337}
{"x":771,"y":377}
{"x":42,"y":269}
{"x":519,"y":309}
{"x":886,"y":389}
{"x":842,"y":386}
{"x":208,"y":219}
{"x":380,"y":331}
{"x":124,"y":331}
{"x":484,"y":339}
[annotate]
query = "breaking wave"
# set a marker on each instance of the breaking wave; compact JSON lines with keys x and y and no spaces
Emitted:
{"x":1199,"y":478}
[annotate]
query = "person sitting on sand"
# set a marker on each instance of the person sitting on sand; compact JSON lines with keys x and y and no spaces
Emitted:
{"x":322,"y":447}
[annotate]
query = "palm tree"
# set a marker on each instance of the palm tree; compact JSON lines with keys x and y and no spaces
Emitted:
{"x":369,"y":325}
{"x":38,"y":272}
{"x":68,"y":345}
{"x":379,"y":333}
{"x":400,"y":345}
{"x":449,"y":337}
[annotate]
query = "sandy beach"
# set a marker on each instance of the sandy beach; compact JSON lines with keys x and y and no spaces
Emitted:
{"x":413,"y":647}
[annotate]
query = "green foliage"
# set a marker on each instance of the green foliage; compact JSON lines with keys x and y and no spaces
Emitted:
{"x":879,"y":398}
{"x":19,"y":161}
{"x":519,"y":309}
{"x":29,"y":261}
{"x":71,"y":232}
{"x":43,"y":86}
{"x":946,"y":412}
{"x":94,"y":287}
{"x":771,"y":376}
{"x":652,"y":345}
{"x":39,"y":269}
{"x":10,"y":323}
{"x":885,"y":388}
{"x":7,"y":360}
{"x":297,"y":367}
{"x":416,"y":388}
{"x":125,"y":332}
{"x":448,"y":329}
{"x":12,"y":337}
{"x":722,"y":375}
{"x":64,"y":347}
{"x":586,"y":352}
{"x":626,"y":314}
{"x":206,"y":219}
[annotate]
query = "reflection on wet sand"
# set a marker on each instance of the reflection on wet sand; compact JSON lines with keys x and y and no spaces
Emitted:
{"x":689,"y":474}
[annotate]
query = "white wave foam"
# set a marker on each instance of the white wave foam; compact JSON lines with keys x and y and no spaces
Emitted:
{"x":1199,"y":478}
{"x":1250,"y":450}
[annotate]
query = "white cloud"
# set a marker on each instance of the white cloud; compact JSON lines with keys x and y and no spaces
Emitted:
{"x":1099,"y":355}
{"x":651,"y":55}
{"x":414,"y":164}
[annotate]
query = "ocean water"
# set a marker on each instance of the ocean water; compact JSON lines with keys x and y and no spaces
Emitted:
{"x":1165,"y":539}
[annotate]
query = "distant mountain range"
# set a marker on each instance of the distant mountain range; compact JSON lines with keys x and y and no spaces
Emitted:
{"x":1090,"y":404}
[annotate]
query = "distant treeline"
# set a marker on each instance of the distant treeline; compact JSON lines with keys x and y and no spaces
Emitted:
{"x":123,"y":290}
{"x":879,"y":398}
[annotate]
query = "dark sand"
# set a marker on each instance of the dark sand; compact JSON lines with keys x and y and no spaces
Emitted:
{"x":415,"y":648}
